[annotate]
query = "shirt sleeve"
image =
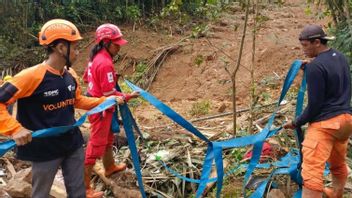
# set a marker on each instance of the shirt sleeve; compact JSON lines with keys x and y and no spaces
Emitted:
{"x":85,"y":75}
{"x":316,"y":94}
{"x":81,"y":101}
{"x":21,"y":85}
{"x":107,"y":79}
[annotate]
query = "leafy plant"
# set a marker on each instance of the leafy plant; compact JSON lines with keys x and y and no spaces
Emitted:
{"x":200,"y":108}
{"x":238,"y":153}
{"x":133,"y":13}
{"x":200,"y":31}
{"x":139,"y":71}
{"x":343,"y":40}
{"x":199,"y":60}
{"x":133,"y":102}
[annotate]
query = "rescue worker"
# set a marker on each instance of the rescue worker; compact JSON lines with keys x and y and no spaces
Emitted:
{"x":102,"y":80}
{"x":328,"y":113}
{"x":46,"y":95}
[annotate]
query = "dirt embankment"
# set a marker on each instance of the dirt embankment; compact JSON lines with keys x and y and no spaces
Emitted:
{"x":196,"y":70}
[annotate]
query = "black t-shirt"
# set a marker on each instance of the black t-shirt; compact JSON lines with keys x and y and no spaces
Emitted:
{"x":329,"y":87}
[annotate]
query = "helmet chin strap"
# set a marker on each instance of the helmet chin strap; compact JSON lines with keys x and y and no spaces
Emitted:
{"x":67,"y":56}
{"x":107,"y":45}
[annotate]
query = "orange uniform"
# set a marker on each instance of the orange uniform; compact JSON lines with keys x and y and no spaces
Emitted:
{"x":325,"y":141}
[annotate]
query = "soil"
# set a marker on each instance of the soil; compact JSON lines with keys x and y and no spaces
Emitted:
{"x":181,"y":82}
{"x":196,"y":71}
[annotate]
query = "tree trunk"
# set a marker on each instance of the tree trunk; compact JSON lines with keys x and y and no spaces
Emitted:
{"x":253,"y":86}
{"x":238,"y":66}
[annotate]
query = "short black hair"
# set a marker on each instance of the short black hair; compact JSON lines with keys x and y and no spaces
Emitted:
{"x":322,"y":41}
{"x":49,"y":48}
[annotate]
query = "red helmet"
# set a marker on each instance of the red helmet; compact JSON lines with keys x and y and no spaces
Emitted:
{"x":109,"y":32}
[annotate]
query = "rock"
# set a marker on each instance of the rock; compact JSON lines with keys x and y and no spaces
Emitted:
{"x":4,"y":194}
{"x":20,"y":184}
{"x":24,"y":175}
{"x":2,"y":183}
{"x":210,"y":57}
{"x":120,"y":141}
{"x":125,"y":193}
{"x":229,"y":127}
{"x":276,"y":193}
{"x":18,"y":188}
{"x":222,"y":108}
{"x":224,"y":23}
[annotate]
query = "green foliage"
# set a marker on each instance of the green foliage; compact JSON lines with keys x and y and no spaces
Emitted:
{"x":133,"y":102}
{"x":139,"y":72}
{"x":133,"y":13}
{"x":343,"y":40}
{"x":238,"y":153}
{"x":340,"y":11}
{"x":200,"y":31}
{"x":199,"y":60}
{"x":200,"y":108}
{"x":308,"y":10}
{"x":173,"y":9}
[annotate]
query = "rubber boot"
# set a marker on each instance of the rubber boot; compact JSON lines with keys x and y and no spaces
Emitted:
{"x":307,"y":193}
{"x":338,"y":185}
{"x":329,"y":192}
{"x":109,"y":163}
{"x":90,"y":193}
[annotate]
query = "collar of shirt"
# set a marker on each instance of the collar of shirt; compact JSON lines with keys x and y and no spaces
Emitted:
{"x":105,"y":54}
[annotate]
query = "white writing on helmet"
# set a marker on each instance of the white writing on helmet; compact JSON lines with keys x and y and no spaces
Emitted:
{"x":59,"y":26}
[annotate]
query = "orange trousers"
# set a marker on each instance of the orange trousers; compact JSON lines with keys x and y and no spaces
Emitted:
{"x":325,"y":141}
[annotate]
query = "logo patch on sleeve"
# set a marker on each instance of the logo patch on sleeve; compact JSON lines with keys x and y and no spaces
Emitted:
{"x":110,"y":77}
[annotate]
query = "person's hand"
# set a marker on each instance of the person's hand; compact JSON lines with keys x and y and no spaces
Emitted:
{"x":119,"y":99}
{"x":304,"y":63}
{"x":135,"y":94}
{"x":22,"y":137}
{"x":289,"y":125}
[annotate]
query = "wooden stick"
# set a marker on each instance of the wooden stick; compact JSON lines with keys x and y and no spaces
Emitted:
{"x":10,"y":167}
{"x":214,"y":174}
{"x":212,"y":117}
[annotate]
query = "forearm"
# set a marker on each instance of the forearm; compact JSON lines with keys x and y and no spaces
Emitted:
{"x":88,"y":103}
{"x":8,"y":124}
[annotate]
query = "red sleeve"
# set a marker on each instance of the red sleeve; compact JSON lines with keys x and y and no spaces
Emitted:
{"x":107,"y":79}
{"x":85,"y":75}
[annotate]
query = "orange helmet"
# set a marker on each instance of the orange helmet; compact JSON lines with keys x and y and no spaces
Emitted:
{"x":58,"y":29}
